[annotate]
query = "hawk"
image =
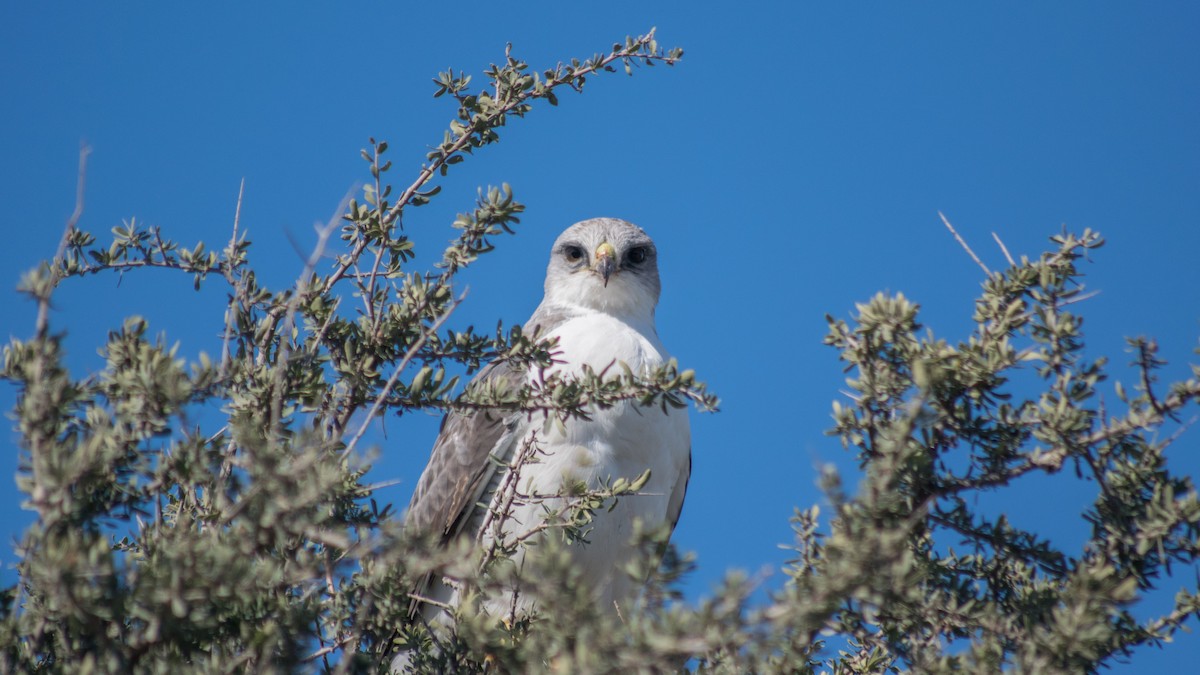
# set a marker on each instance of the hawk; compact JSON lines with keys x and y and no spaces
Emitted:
{"x":602,"y":287}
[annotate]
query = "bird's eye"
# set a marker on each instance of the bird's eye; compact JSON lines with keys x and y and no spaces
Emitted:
{"x":636,"y":255}
{"x":573,"y":253}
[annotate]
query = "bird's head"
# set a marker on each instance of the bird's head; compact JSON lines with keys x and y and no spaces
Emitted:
{"x":605,"y":264}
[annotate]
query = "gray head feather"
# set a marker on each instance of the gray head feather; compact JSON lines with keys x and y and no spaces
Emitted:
{"x":602,"y":264}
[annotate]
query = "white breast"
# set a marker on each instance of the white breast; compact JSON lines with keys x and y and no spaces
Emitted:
{"x":620,"y":442}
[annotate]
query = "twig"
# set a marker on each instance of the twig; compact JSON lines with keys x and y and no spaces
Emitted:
{"x":284,"y":350}
{"x":229,"y":256}
{"x":330,"y":648}
{"x":1180,"y":431}
{"x":356,"y":636}
{"x":963,"y":243}
{"x":367,"y":297}
{"x":374,"y":487}
{"x":84,"y":151}
{"x":1172,"y":403}
{"x":43,"y":316}
{"x":391,"y":383}
{"x":1078,"y":298}
{"x":1170,"y":623}
{"x":508,"y":493}
{"x":1145,"y":363}
{"x":1004,"y":248}
{"x":430,"y":601}
{"x":329,"y":585}
{"x":369,"y":290}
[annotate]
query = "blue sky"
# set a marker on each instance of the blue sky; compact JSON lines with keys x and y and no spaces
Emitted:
{"x":792,"y":165}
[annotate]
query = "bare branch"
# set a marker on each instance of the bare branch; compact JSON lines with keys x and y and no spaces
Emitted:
{"x":963,"y":243}
{"x":230,"y":254}
{"x":1007,"y":255}
{"x":43,"y":315}
{"x":73,"y":221}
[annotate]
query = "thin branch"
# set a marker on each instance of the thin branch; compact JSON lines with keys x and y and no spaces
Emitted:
{"x":1180,"y":431}
{"x":121,"y":266}
{"x":230,"y":253}
{"x":368,"y":298}
{"x":391,"y":383}
{"x":508,"y":490}
{"x":310,"y":266}
{"x":374,"y":487}
{"x":1121,"y":428}
{"x":369,"y":291}
{"x":1169,"y":624}
{"x":1145,"y":364}
{"x":43,"y":315}
{"x":84,"y":151}
{"x":329,"y":585}
{"x":1078,"y":298}
{"x":1007,"y":255}
{"x":356,"y":636}
{"x":329,"y":649}
{"x":430,"y":601}
{"x":963,"y":243}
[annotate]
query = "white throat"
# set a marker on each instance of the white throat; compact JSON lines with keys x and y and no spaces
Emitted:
{"x":624,"y":299}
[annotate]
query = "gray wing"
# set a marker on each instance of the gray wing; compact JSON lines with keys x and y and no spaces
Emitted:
{"x":675,"y":504}
{"x":459,"y":469}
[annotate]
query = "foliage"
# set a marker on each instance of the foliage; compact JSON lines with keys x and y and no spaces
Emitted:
{"x":936,"y":425}
{"x":163,"y":543}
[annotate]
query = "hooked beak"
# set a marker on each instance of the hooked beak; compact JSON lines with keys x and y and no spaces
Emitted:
{"x":606,"y":261}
